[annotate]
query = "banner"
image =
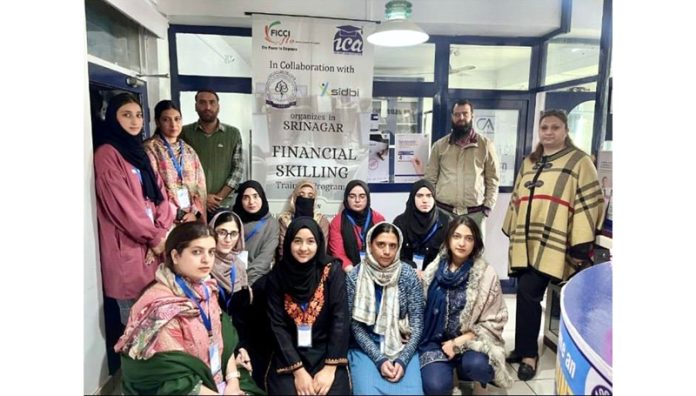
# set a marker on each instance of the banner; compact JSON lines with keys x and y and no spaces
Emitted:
{"x":312,"y":86}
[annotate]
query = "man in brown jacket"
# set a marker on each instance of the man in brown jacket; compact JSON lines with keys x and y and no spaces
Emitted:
{"x":463,"y":167}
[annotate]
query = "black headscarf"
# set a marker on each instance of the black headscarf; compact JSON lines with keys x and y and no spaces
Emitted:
{"x":297,"y":279}
{"x":418,"y":223}
{"x":130,"y":147}
{"x":238,"y":208}
{"x":350,"y":243}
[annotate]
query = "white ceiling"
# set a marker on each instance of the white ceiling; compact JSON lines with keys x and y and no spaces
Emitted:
{"x":511,"y":18}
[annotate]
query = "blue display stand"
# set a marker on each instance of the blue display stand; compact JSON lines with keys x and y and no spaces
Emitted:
{"x":584,"y":358}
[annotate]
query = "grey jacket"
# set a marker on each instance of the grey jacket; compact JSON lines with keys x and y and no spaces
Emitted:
{"x":261,"y":247}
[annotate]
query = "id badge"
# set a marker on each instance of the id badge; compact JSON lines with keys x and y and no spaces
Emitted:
{"x":419,"y":261}
{"x":381,"y":344}
{"x":304,"y":336}
{"x":362,"y":256}
{"x":214,"y":355}
{"x":244,"y":256}
{"x":150,"y":214}
{"x":182,"y":196}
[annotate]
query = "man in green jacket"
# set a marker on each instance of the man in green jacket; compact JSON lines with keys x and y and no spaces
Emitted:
{"x":219,"y":148}
{"x":463,"y":166}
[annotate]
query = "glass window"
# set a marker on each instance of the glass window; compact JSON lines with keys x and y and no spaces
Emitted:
{"x":235,"y":110}
{"x":501,"y":127}
{"x":415,"y":63}
{"x":576,"y":54}
{"x":489,"y":67}
{"x":111,"y":36}
{"x":581,"y":124}
{"x":213,"y":55}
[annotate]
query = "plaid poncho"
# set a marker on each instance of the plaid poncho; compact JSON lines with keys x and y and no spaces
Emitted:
{"x":556,"y":203}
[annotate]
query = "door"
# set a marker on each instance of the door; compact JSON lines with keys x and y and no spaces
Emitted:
{"x":103,"y":85}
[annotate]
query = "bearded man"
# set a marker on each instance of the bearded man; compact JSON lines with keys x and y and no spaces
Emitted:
{"x":463,"y":166}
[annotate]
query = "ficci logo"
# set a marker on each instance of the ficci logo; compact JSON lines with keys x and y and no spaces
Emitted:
{"x":338,"y":91}
{"x":348,"y":40}
{"x":277,"y":35}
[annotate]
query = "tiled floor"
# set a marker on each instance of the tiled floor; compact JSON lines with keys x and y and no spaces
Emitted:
{"x":543,"y":382}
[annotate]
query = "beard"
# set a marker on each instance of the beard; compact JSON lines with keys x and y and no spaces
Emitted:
{"x":461,"y":130}
{"x":207,"y":117}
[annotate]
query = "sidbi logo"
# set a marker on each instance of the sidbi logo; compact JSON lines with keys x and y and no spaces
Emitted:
{"x":348,"y":40}
{"x":277,"y":35}
{"x":338,"y":91}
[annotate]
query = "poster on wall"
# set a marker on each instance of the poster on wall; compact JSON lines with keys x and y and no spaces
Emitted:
{"x":500,"y":126}
{"x":411,"y":156}
{"x":312,"y":87}
{"x":378,"y":162}
{"x":604,"y":173}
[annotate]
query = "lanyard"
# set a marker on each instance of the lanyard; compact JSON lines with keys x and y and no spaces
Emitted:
{"x":433,"y":229}
{"x":363,"y":233}
{"x":192,"y":297}
{"x":223,"y":294}
{"x":255,"y":229}
{"x":179,"y":166}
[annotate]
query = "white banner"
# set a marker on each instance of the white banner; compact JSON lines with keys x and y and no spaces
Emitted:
{"x":312,"y":86}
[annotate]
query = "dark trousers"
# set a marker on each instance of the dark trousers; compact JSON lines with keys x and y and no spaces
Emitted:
{"x":471,"y":366}
{"x":531,"y":286}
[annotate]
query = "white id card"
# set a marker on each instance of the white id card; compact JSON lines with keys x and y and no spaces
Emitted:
{"x":150,"y":215}
{"x":182,"y":196}
{"x":304,"y":336}
{"x":214,"y":355}
{"x":244,"y":256}
{"x":362,"y":256}
{"x":381,"y":344}
{"x":419,"y":261}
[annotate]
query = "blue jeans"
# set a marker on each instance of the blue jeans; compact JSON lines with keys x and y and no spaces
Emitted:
{"x":471,"y":366}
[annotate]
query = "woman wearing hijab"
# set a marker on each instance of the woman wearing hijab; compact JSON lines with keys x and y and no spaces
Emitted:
{"x":178,"y":341}
{"x":302,"y":203}
{"x":133,"y":212}
{"x":230,"y":268}
{"x":464,"y":316}
{"x":260,"y":228}
{"x":423,"y":224}
{"x":385,"y":299}
{"x":177,"y":164}
{"x":348,"y":228}
{"x":308,"y":311}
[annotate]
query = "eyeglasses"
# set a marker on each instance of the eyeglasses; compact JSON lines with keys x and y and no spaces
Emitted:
{"x":222,"y":234}
{"x":355,"y":197}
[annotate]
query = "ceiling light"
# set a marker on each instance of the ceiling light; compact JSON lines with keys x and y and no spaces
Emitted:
{"x":398,"y":30}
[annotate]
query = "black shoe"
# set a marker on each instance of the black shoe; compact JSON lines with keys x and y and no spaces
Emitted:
{"x":513,"y":357}
{"x":526,"y":372}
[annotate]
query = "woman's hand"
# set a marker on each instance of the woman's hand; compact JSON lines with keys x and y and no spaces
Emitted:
{"x":387,"y":370}
{"x":159,"y":249}
{"x":324,"y":379}
{"x":398,"y":373}
{"x":243,"y":359}
{"x":188,"y":217}
{"x":303,"y":382}
{"x":232,"y":388}
{"x":448,"y":349}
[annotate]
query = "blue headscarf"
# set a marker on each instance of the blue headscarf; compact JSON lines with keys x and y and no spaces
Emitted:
{"x":436,"y":306}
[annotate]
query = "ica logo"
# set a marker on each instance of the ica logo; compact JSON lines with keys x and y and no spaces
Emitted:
{"x":348,"y":40}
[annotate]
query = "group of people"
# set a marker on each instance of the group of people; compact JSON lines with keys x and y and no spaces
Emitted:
{"x":218,"y":296}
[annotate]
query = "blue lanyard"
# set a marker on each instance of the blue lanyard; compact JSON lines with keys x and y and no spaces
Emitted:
{"x":179,"y":166}
{"x":192,"y":297}
{"x":363,"y":233}
{"x":233,"y":276}
{"x":304,"y":306}
{"x":255,"y":230}
{"x":433,"y":229}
